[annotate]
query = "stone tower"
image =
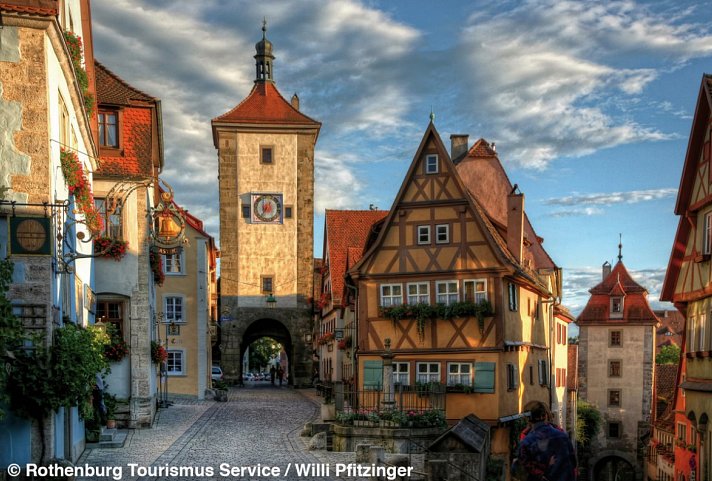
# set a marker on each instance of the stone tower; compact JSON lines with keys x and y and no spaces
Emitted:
{"x":616,"y":371}
{"x":266,"y":169}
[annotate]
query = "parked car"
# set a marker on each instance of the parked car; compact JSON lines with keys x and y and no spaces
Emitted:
{"x":217,"y":374}
{"x":248,"y":377}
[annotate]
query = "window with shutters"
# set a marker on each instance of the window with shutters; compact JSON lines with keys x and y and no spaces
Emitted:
{"x":459,"y":373}
{"x":513,"y":296}
{"x":372,"y":375}
{"x":484,"y":377}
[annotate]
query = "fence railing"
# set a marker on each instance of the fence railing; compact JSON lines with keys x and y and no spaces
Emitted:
{"x":421,"y":405}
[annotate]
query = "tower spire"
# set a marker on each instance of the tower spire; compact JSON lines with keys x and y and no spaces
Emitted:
{"x":264,"y":57}
{"x":620,"y":247}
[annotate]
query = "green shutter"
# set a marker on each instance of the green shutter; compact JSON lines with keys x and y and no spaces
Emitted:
{"x":372,"y":374}
{"x":484,"y":377}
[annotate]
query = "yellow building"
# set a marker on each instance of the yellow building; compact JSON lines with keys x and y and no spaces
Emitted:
{"x":688,"y":282}
{"x":457,"y":237}
{"x":187,"y":301}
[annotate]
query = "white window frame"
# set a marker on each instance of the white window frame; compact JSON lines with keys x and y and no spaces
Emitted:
{"x":432,"y":164}
{"x":465,"y":378}
{"x":181,"y":263}
{"x":423,"y":235}
{"x":421,"y":296}
{"x":401,"y":376}
{"x":431,"y":373}
{"x":173,"y":352}
{"x":707,"y":234}
{"x":619,"y":312}
{"x":391,"y":299}
{"x":174,"y":319}
{"x":442,"y":229}
{"x":478,"y":296}
{"x":448,"y":297}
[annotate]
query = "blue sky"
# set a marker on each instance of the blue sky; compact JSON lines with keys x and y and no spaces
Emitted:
{"x":590,"y":104}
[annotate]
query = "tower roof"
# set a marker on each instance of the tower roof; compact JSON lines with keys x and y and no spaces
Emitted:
{"x":265,"y":105}
{"x":618,"y":283}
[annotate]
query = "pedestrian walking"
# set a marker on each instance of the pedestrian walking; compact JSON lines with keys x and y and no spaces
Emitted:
{"x":272,"y":373}
{"x":280,"y":374}
{"x":545,"y":451}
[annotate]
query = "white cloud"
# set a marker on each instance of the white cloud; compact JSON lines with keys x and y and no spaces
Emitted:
{"x":630,"y":197}
{"x":537,"y":70}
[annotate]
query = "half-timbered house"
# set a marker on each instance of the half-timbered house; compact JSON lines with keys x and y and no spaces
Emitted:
{"x":461,"y":289}
{"x":688,"y":282}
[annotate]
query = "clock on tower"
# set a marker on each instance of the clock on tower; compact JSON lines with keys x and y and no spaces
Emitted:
{"x":267,"y":208}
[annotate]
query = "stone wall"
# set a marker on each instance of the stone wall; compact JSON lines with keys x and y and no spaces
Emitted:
{"x":393,"y":440}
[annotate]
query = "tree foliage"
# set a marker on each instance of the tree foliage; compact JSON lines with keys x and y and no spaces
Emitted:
{"x":669,"y":354}
{"x":588,"y":422}
{"x":10,"y":331}
{"x":261,"y":351}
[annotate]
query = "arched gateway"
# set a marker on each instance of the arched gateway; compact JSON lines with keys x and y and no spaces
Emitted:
{"x":286,"y":326}
{"x":266,"y":161}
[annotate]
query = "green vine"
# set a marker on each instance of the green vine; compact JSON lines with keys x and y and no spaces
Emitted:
{"x":423,"y":313}
{"x":11,"y":335}
{"x":76,"y":54}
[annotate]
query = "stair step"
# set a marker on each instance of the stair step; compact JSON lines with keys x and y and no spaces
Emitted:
{"x":117,"y":441}
{"x":107,"y":434}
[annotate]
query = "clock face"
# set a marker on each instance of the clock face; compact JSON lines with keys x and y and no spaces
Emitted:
{"x":268,"y":208}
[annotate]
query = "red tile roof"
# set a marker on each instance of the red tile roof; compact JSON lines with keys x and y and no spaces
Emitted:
{"x":672,"y":324}
{"x":665,"y":387}
{"x":345,"y":239}
{"x":618,"y":283}
{"x":136,"y":152}
{"x":265,"y":105}
{"x":485,"y":178}
{"x":111,"y":89}
{"x":37,"y":7}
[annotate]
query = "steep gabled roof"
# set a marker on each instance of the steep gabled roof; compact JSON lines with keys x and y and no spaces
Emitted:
{"x":672,"y":324}
{"x":346,"y":232}
{"x":687,"y":181}
{"x":483,"y":174}
{"x":112,"y":89}
{"x":265,"y":105}
{"x":618,"y":282}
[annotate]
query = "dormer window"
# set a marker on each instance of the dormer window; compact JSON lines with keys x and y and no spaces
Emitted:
{"x":616,"y":306}
{"x":431,"y":164}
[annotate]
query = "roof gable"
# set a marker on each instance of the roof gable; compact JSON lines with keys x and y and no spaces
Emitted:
{"x":111,"y":89}
{"x":443,"y":187}
{"x":695,"y":146}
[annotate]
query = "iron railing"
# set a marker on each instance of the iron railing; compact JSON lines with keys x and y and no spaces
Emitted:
{"x":406,"y":399}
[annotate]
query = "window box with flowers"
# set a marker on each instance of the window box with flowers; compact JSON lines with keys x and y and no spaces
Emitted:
{"x":323,"y":301}
{"x":159,"y":354}
{"x":116,"y":349}
{"x":325,"y":338}
{"x":345,"y":343}
{"x":79,"y":186}
{"x":109,"y":247}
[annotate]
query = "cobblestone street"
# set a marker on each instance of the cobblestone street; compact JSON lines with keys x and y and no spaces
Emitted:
{"x":260,"y":424}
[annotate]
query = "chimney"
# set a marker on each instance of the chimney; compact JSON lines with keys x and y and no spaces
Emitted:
{"x":458,"y":145}
{"x":515,"y":224}
{"x":606,"y":270}
{"x":295,"y":101}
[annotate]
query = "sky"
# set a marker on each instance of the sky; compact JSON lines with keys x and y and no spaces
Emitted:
{"x":590,"y":104}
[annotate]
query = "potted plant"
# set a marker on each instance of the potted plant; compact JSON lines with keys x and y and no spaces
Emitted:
{"x":158,"y":353}
{"x":220,"y":390}
{"x":110,"y":402}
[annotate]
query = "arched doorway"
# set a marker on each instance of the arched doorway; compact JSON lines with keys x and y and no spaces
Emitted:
{"x":269,"y":329}
{"x":613,"y":468}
